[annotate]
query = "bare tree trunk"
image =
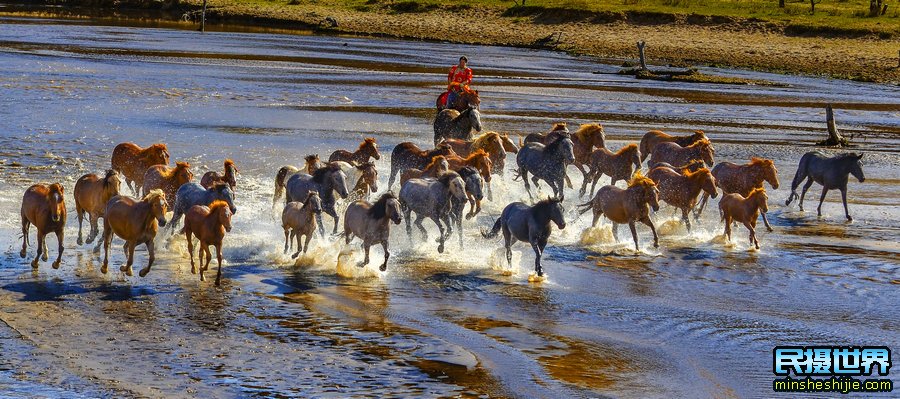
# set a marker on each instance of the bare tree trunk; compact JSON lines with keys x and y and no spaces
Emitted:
{"x":812,"y":6}
{"x":781,"y":3}
{"x":203,"y":18}
{"x":640,"y":46}
{"x":834,"y":136}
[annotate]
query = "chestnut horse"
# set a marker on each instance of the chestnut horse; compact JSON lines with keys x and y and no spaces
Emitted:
{"x":734,"y":207}
{"x":585,"y":139}
{"x":91,"y":195}
{"x":626,"y":206}
{"x":508,"y":144}
{"x":742,"y":179}
{"x":136,"y":222}
{"x":212,"y":177}
{"x":298,"y":219}
{"x":681,"y":191}
{"x":311,"y":164}
{"x":367,"y":149}
{"x":654,"y":137}
{"x":479,"y":160}
{"x":209,"y":225}
{"x":407,"y":156}
{"x":44,"y":207}
{"x":674,"y":154}
{"x":366,"y":182}
{"x":167,"y":179}
{"x":619,"y":165}
{"x":133,"y":161}
{"x":437,"y":166}
{"x":490,"y":142}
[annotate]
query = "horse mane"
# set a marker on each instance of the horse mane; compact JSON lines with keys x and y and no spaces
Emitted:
{"x":692,"y":163}
{"x":445,"y":177}
{"x":435,"y":160}
{"x":756,"y":161}
{"x":589,"y":129}
{"x":379,"y":208}
{"x":479,"y":153}
{"x":699,"y":133}
{"x":319,"y":175}
{"x":467,"y":171}
{"x":702,"y":171}
{"x":215,"y":205}
{"x":559,"y":127}
{"x":543,"y":206}
{"x":157,"y":146}
{"x":704,"y":142}
{"x":640,"y":180}
{"x":219,"y":186}
{"x":153,"y":195}
{"x":169,"y":173}
{"x":56,"y":188}
{"x":757,"y":190}
{"x":627,"y":148}
{"x":311,"y":158}
{"x":367,"y":141}
{"x":309,"y":195}
{"x":228,"y":163}
{"x":479,"y":141}
{"x":555,"y":143}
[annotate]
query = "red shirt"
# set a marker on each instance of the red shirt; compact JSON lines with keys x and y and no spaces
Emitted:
{"x":463,"y":77}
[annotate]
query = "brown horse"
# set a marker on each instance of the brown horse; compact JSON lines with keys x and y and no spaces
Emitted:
{"x":508,"y":144}
{"x":209,"y":225}
{"x":367,"y":149}
{"x":407,"y":156}
{"x":734,"y":207}
{"x":466,"y":98}
{"x":311,"y":164}
{"x":167,"y":179}
{"x":674,"y":154}
{"x":490,"y":142}
{"x":212,"y":177}
{"x":742,"y":179}
{"x":585,"y":139}
{"x":437,"y":166}
{"x":367,"y":181}
{"x":136,"y":222}
{"x":479,"y":160}
{"x":654,"y":137}
{"x":44,"y":207}
{"x":691,"y":166}
{"x":619,"y":165}
{"x":298,"y":219}
{"x":133,"y":161}
{"x":626,"y":206}
{"x":91,"y":195}
{"x":681,"y":191}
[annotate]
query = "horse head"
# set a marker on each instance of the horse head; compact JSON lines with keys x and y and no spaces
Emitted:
{"x":508,"y":144}
{"x":769,"y":173}
{"x":369,"y":175}
{"x":591,"y":134}
{"x":648,"y":189}
{"x":563,"y":147}
{"x":220,"y":210}
{"x":482,"y":162}
{"x":111,"y":183}
{"x":158,"y":205}
{"x":313,"y":201}
{"x":230,"y":172}
{"x":471,"y":97}
{"x":474,"y":118}
{"x":548,"y":210}
{"x":761,"y":198}
{"x":224,"y":193}
{"x":474,"y":182}
{"x":454,"y":183}
{"x":856,"y":168}
{"x":159,"y":154}
{"x":706,"y":151}
{"x":57,"y":204}
{"x":182,"y":173}
{"x":707,"y":181}
{"x":339,"y":181}
{"x":312,"y":163}
{"x":387,"y":206}
{"x":370,"y":148}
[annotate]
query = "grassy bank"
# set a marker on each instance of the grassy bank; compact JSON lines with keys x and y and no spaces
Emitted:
{"x":840,"y":40}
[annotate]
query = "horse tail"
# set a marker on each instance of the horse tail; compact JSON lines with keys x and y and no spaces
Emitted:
{"x":494,"y":230}
{"x":798,"y":177}
{"x":280,"y":178}
{"x":643,"y":150}
{"x":583,"y":208}
{"x":516,"y":174}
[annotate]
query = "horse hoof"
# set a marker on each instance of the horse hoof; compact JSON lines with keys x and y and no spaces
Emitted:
{"x":294,"y":256}
{"x":441,"y":248}
{"x":143,"y":272}
{"x":22,"y":254}
{"x":56,"y":264}
{"x":362,"y":264}
{"x":770,"y":229}
{"x":383,"y":267}
{"x":655,"y":245}
{"x":217,"y":283}
{"x":104,"y":269}
{"x":849,"y":219}
{"x":80,"y":242}
{"x":34,"y":264}
{"x":202,"y":277}
{"x":44,"y":257}
{"x":129,"y":272}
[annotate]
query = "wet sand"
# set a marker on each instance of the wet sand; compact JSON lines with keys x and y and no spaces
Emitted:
{"x":695,"y":318}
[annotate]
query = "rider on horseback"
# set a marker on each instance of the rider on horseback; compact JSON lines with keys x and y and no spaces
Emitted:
{"x":458,"y":79}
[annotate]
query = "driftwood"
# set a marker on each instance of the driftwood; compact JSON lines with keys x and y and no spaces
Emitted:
{"x":835,"y":139}
{"x":640,"y":46}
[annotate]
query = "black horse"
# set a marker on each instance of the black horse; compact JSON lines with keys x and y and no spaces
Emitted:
{"x":547,"y":163}
{"x":528,"y":223}
{"x":830,"y":172}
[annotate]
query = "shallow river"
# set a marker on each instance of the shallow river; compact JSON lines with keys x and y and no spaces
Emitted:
{"x":696,"y":317}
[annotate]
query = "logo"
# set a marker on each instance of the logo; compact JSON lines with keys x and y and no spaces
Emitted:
{"x":838,"y":363}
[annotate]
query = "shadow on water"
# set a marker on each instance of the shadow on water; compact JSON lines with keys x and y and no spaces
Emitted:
{"x":38,"y":291}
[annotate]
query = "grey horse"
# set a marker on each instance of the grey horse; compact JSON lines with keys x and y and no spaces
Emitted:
{"x":190,"y":194}
{"x":452,"y":124}
{"x":431,"y":198}
{"x":371,"y":223}
{"x":475,"y":192}
{"x":326,"y":180}
{"x":547,"y":163}
{"x":528,"y":223}
{"x":830,"y":172}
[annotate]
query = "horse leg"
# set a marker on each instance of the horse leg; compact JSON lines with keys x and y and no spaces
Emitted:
{"x":337,"y":219}
{"x":821,"y":200}
{"x":766,"y":222}
{"x":151,"y":251}
{"x":702,"y":205}
{"x":95,"y":228}
{"x":594,"y":179}
{"x":508,"y":241}
{"x":569,"y":181}
{"x":634,"y":235}
{"x":365,"y":261}
{"x":752,"y":231}
{"x":615,"y":229}
{"x":40,"y":249}
{"x":306,"y":245}
{"x":80,"y":214}
{"x":25,"y":225}
{"x":107,"y":240}
{"x":406,"y":216}
{"x":537,"y":257}
{"x":419,"y":219}
{"x":646,"y":220}
{"x":384,"y":246}
{"x":542,"y":243}
{"x":219,"y":260}
{"x":728,"y":227}
{"x":843,"y":198}
{"x":299,"y":236}
{"x":190,"y":245}
{"x":59,"y":239}
{"x":686,"y":219}
{"x":321,"y":225}
{"x":490,"y":192}
{"x":129,"y":253}
{"x":43,"y":243}
{"x":441,"y":238}
{"x":523,"y":173}
{"x":806,"y":187}
{"x":286,"y":239}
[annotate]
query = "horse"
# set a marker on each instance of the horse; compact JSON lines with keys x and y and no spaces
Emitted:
{"x":682,"y":190}
{"x":559,"y":130}
{"x":132,"y":161}
{"x":367,"y":149}
{"x":366,"y":177}
{"x":44,"y":207}
{"x":547,"y":163}
{"x":619,"y":165}
{"x":585,"y":139}
{"x":91,"y":194}
{"x":474,"y":185}
{"x":674,"y":154}
{"x":311,"y":165}
{"x":489,"y":142}
{"x":734,"y":207}
{"x":692,"y":166}
{"x":298,"y":220}
{"x":325,"y":181}
{"x":212,"y":177}
{"x":136,"y":222}
{"x":453,"y":124}
{"x":742,"y":179}
{"x":528,"y":223}
{"x":466,"y":98}
{"x":371,"y":223}
{"x":654,"y":137}
{"x":626,"y":206}
{"x":407,"y":155}
{"x":437,"y":166}
{"x":209,"y":225}
{"x":508,"y":144}
{"x":431,"y":198}
{"x":192,"y":194}
{"x":479,"y":160}
{"x":830,"y":172}
{"x":167,"y":179}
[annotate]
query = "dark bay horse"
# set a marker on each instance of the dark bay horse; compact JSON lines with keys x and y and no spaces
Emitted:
{"x":367,"y":149}
{"x":530,"y":224}
{"x":407,"y":155}
{"x":452,"y":124}
{"x":830,"y":172}
{"x":228,"y":176}
{"x":326,"y":181}
{"x":547,"y":163}
{"x":654,"y":137}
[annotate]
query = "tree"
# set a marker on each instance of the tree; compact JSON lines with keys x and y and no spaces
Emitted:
{"x":781,"y":3}
{"x":876,"y":8}
{"x":834,"y":135}
{"x":812,"y":6}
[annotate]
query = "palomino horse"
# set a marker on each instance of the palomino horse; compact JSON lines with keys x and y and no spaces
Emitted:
{"x":133,"y":161}
{"x":44,"y":207}
{"x":681,"y":191}
{"x":830,"y":172}
{"x":325,"y":181}
{"x":559,"y":130}
{"x":191,"y":194}
{"x":437,"y":166}
{"x":626,"y":206}
{"x":298,"y":219}
{"x":508,"y":144}
{"x":654,"y":137}
{"x":489,"y":142}
{"x":618,"y":165}
{"x":479,"y":160}
{"x":212,"y":177}
{"x":91,"y":195}
{"x":367,"y":149}
{"x":674,"y":154}
{"x":585,"y":139}
{"x":466,"y":98}
{"x":407,"y":155}
{"x":431,"y":198}
{"x":735,"y":208}
{"x":209,"y":225}
{"x":136,"y":222}
{"x":372,"y":223}
{"x":452,"y":124}
{"x":742,"y":179}
{"x":530,"y":224}
{"x":547,"y":163}
{"x":167,"y":179}
{"x":475,"y":193}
